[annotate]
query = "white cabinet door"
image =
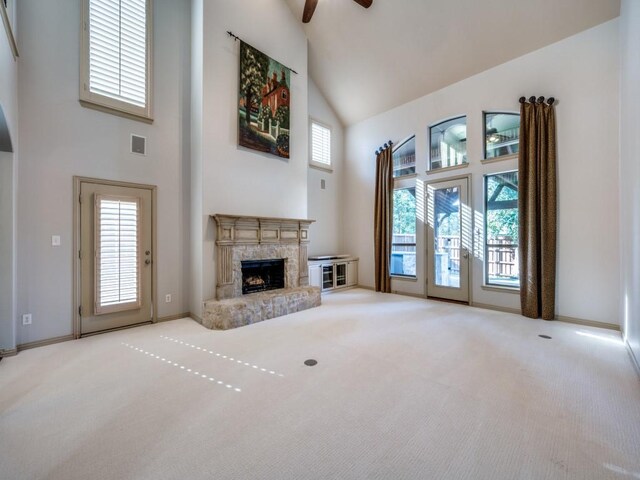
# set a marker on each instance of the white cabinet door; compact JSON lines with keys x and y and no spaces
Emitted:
{"x":352,"y":273}
{"x":315,"y":276}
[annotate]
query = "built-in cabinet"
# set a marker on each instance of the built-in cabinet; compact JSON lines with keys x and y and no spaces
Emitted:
{"x":333,"y":273}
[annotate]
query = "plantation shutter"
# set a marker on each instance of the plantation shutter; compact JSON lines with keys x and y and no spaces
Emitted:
{"x":118,"y":50}
{"x":320,"y":144}
{"x":117,"y":254}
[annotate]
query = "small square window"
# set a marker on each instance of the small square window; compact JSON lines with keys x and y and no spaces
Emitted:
{"x":448,"y":143}
{"x":501,"y":134}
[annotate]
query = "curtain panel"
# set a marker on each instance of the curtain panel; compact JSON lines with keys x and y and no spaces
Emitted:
{"x":537,"y":208}
{"x":383,"y":219}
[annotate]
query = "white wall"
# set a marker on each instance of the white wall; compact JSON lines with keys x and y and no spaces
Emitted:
{"x":582,"y":72}
{"x":326,"y":206}
{"x":8,"y":179}
{"x":60,"y":139}
{"x":236,"y":180}
{"x":630,"y":174}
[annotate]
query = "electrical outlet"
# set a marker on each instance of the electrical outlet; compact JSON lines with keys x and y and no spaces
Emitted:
{"x":167,"y":298}
{"x":26,"y":319}
{"x":55,"y":240}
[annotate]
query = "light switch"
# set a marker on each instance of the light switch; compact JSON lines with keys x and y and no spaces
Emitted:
{"x":55,"y":240}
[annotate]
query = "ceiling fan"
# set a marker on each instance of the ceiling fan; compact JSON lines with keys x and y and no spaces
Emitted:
{"x":310,"y":7}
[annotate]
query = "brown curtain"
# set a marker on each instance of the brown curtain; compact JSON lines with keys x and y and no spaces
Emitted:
{"x":383,"y":219}
{"x":537,"y":208}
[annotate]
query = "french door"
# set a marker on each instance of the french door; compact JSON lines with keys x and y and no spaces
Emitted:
{"x":116,"y":257}
{"x":449,"y":237}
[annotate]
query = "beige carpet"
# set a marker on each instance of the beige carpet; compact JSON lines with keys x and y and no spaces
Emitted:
{"x":404,"y":389}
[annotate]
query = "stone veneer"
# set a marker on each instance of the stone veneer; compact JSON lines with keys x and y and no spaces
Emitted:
{"x":242,"y":238}
{"x":256,"y":307}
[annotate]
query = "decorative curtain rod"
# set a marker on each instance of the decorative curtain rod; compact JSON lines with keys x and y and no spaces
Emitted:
{"x":236,"y":38}
{"x":533,"y":99}
{"x":384,"y":147}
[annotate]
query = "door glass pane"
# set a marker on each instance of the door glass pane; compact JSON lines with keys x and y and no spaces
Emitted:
{"x":403,"y":243}
{"x":117,"y":262}
{"x":447,"y":230}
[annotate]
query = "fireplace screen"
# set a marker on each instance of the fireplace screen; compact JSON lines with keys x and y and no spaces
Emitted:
{"x":262,"y":275}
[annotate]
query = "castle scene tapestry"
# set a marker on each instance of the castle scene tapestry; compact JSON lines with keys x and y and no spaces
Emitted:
{"x":263,"y":103}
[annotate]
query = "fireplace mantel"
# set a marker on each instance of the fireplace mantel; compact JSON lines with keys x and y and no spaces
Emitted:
{"x":245,"y":230}
{"x":250,"y":238}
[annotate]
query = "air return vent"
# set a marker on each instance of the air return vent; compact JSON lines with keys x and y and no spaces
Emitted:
{"x":138,"y":144}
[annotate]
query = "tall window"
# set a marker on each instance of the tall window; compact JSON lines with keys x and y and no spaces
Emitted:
{"x":501,"y":134}
{"x":116,"y":51}
{"x":320,"y":146}
{"x":501,"y":229}
{"x":404,"y":158}
{"x":448,"y":143}
{"x":403,"y":244}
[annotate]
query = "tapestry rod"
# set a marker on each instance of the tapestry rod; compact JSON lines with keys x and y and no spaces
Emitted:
{"x":236,"y":38}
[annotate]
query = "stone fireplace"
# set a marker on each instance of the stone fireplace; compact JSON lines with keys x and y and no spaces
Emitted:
{"x":262,"y":270}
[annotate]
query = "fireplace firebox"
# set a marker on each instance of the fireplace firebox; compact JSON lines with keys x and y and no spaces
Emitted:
{"x":262,"y":275}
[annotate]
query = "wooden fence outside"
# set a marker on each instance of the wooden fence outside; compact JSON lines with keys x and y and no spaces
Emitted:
{"x":502,"y":253}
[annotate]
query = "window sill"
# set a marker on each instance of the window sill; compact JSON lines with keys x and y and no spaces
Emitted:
{"x":447,"y":169}
{"x":115,"y":111}
{"x":408,"y":176}
{"x":495,"y":288}
{"x":500,"y":159}
{"x":404,"y":278}
{"x":319,"y":166}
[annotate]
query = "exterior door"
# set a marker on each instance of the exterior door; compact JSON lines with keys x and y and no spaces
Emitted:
{"x":449,"y":235}
{"x":116,"y":258}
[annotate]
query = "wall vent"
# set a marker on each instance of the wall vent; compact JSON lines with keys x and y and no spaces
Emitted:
{"x":138,"y":144}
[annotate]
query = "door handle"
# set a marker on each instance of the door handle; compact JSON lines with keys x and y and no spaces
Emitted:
{"x":465,"y":254}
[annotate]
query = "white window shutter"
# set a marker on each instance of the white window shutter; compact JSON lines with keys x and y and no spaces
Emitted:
{"x":118,"y":50}
{"x":117,"y":254}
{"x":320,"y":144}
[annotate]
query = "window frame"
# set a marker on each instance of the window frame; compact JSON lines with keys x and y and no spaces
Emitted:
{"x":319,"y":165}
{"x":405,"y":182}
{"x":484,"y":136}
{"x":486,"y":284}
{"x":107,"y":104}
{"x":430,"y":168}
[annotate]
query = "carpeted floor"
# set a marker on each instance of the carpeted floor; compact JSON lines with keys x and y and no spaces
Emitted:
{"x":404,"y":389}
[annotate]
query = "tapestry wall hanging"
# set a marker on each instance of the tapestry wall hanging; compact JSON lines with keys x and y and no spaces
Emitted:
{"x":264,"y":102}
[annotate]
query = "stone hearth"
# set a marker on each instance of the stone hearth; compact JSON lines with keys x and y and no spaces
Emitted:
{"x":242,"y":238}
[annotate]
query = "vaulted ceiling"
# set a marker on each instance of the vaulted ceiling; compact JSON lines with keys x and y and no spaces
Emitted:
{"x":368,"y":61}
